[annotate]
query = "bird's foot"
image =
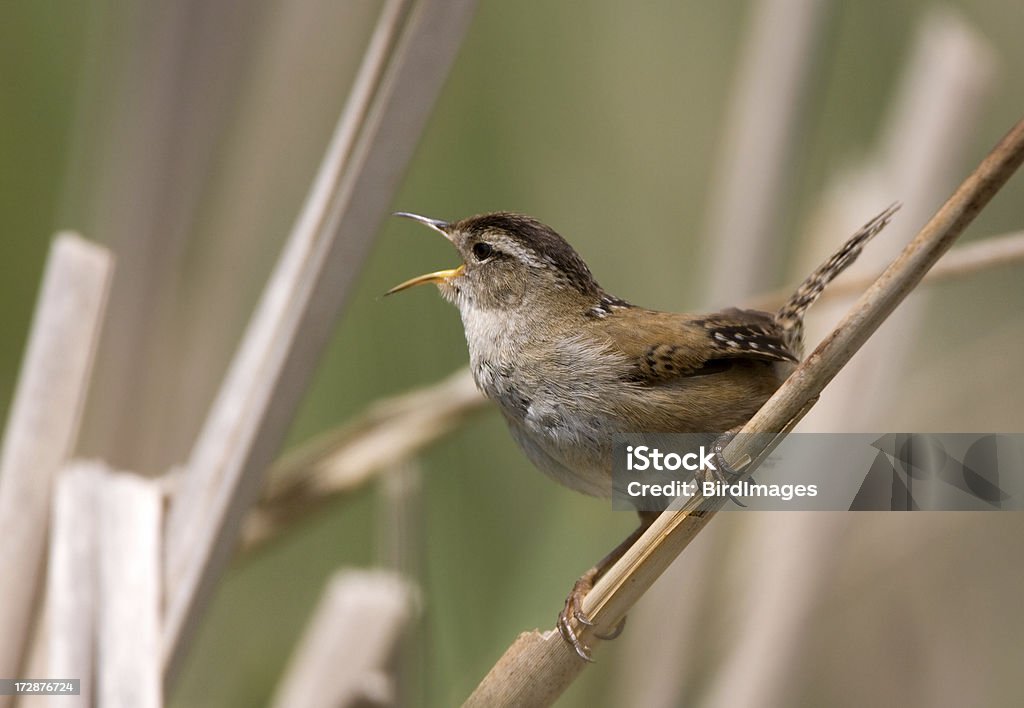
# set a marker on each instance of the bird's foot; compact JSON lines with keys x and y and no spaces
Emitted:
{"x":723,"y":471}
{"x":572,"y":617}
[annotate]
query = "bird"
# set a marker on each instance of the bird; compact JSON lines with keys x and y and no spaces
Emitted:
{"x":570,"y":365}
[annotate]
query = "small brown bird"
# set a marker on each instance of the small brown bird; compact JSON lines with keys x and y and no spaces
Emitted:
{"x":569,"y":364}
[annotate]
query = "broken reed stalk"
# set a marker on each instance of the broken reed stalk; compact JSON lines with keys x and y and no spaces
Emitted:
{"x":346,"y":655}
{"x":538,"y":667}
{"x":128,"y":544}
{"x":42,"y":426}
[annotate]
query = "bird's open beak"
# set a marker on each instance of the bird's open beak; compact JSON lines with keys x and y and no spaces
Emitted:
{"x":441,"y":276}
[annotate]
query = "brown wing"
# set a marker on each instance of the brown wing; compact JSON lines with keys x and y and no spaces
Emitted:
{"x":666,"y":345}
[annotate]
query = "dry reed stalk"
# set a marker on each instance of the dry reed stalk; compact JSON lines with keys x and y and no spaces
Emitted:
{"x":343,"y":659}
{"x":790,"y":561}
{"x":408,"y":58}
{"x":129,"y":544}
{"x":538,"y":667}
{"x":963,"y":261}
{"x":154,"y":93}
{"x":104,"y":589}
{"x":757,"y":147}
{"x":390,"y":432}
{"x":72,"y":584}
{"x":42,"y":426}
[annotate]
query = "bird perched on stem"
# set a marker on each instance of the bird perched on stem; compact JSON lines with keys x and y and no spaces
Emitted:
{"x":570,"y":365}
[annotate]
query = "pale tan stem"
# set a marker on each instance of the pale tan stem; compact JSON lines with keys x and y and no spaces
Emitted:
{"x":961,"y":262}
{"x":42,"y":427}
{"x":402,"y":73}
{"x":392,"y":431}
{"x":537,"y":668}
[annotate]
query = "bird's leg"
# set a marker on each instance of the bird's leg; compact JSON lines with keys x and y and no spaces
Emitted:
{"x":573,"y":609}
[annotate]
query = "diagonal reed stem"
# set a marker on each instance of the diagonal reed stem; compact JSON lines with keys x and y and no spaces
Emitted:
{"x":537,"y":668}
{"x":408,"y":58}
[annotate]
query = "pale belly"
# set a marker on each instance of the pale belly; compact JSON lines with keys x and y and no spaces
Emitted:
{"x":566,"y":429}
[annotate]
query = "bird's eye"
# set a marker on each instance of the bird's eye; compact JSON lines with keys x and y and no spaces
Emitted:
{"x":482,"y":250}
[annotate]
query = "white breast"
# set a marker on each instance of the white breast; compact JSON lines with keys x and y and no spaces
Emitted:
{"x":547,"y":393}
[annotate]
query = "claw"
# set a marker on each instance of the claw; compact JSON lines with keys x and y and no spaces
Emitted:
{"x":582,"y":618}
{"x":573,"y":610}
{"x":570,"y":637}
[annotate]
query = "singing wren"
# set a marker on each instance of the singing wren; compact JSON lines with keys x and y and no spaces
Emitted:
{"x":569,"y":364}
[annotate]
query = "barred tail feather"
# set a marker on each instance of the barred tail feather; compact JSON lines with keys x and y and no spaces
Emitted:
{"x":791,"y":315}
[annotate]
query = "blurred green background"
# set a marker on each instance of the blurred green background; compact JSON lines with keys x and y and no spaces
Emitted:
{"x":196,"y":129}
